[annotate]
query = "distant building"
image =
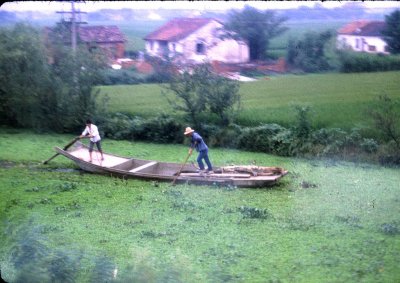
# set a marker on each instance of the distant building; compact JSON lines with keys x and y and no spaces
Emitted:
{"x":195,"y":40}
{"x":363,"y":36}
{"x":108,"y":38}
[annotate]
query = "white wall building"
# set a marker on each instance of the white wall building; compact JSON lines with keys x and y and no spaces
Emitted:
{"x":363,"y":36}
{"x":195,"y":40}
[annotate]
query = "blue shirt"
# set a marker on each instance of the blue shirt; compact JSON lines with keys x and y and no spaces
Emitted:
{"x":198,"y":143}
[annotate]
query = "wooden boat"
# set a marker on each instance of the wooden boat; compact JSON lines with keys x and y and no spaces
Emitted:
{"x":125,"y":167}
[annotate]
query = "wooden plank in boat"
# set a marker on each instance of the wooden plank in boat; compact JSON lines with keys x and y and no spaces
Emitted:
{"x":213,"y":175}
{"x":134,"y":170}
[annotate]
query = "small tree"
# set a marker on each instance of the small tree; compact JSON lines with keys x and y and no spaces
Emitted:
{"x":385,"y":115}
{"x":392,"y":32}
{"x":201,"y":93}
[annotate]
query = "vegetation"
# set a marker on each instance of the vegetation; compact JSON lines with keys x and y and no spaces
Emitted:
{"x":314,"y":53}
{"x":271,"y":100}
{"x":201,"y":93}
{"x":392,"y":32}
{"x":355,"y":62}
{"x":43,"y":96}
{"x":256,"y":27}
{"x":61,"y":225}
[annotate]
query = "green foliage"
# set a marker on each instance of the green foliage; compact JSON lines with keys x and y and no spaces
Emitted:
{"x":313,"y":53}
{"x":160,"y":129}
{"x":201,"y":93}
{"x":270,"y":101}
{"x":386,"y":118}
{"x":131,"y":230}
{"x":35,"y":94}
{"x":354,"y":62}
{"x":392,"y":32}
{"x":256,"y":27}
{"x":267,"y":138}
{"x":24,"y":77}
{"x":124,"y":77}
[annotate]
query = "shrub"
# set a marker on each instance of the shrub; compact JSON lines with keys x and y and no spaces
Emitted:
{"x":369,"y":145}
{"x":126,"y":76}
{"x":353,"y":62}
{"x":268,"y":138}
{"x":161,"y":129}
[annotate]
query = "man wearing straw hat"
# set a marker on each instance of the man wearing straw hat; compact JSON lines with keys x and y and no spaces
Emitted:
{"x":201,"y":147}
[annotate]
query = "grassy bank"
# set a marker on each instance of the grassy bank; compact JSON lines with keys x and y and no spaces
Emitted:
{"x":326,"y":221}
{"x":337,"y":100}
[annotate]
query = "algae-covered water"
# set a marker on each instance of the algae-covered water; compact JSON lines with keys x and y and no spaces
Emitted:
{"x":326,"y":221}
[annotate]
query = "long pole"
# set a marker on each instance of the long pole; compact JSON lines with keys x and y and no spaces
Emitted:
{"x":65,"y":148}
{"x":180,"y":170}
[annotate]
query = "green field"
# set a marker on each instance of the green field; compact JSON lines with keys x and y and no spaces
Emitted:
{"x":337,"y":100}
{"x":326,"y":221}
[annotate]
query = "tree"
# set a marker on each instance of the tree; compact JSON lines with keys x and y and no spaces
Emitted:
{"x":200,"y":93}
{"x":24,"y":75}
{"x":75,"y":73}
{"x":392,"y":32}
{"x":256,"y":27}
{"x":386,"y":118}
{"x":43,"y":96}
{"x":312,"y":53}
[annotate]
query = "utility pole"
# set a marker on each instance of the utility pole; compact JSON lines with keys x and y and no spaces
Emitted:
{"x":75,"y":21}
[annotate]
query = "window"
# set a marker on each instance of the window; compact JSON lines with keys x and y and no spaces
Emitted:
{"x":357,"y":43}
{"x":372,"y":48}
{"x":200,"y":48}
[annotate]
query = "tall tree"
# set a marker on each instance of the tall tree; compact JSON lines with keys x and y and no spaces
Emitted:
{"x":24,"y":75}
{"x":392,"y":32}
{"x":256,"y":27}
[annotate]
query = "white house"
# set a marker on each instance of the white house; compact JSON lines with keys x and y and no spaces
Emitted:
{"x":363,"y":36}
{"x":195,"y":40}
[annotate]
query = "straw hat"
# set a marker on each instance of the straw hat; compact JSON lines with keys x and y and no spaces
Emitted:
{"x":188,"y":130}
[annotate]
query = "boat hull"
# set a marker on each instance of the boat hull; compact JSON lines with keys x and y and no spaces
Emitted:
{"x":125,"y":167}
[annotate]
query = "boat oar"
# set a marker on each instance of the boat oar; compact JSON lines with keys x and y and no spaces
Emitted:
{"x":180,"y":170}
{"x":65,"y":148}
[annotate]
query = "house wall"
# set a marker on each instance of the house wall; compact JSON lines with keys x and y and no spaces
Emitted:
{"x":214,"y":49}
{"x":369,"y":44}
{"x":228,"y":51}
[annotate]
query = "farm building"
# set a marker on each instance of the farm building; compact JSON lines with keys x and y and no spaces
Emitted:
{"x":109,"y":38}
{"x":363,"y":36}
{"x":195,"y":40}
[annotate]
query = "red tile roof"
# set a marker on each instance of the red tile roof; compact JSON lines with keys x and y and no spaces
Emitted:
{"x":100,"y":34}
{"x":178,"y":28}
{"x":363,"y":28}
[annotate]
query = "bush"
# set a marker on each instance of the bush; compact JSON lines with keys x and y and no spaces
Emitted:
{"x":354,"y":62}
{"x":161,"y":129}
{"x":127,"y":76}
{"x":268,"y":138}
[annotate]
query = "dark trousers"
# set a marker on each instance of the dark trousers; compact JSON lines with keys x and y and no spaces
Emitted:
{"x":91,"y":145}
{"x":204,"y":155}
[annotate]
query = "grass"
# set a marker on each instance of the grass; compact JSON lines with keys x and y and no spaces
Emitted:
{"x":325,"y":222}
{"x":337,"y":100}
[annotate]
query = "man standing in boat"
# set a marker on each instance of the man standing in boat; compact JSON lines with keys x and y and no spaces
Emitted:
{"x":201,"y":147}
{"x":91,"y":131}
